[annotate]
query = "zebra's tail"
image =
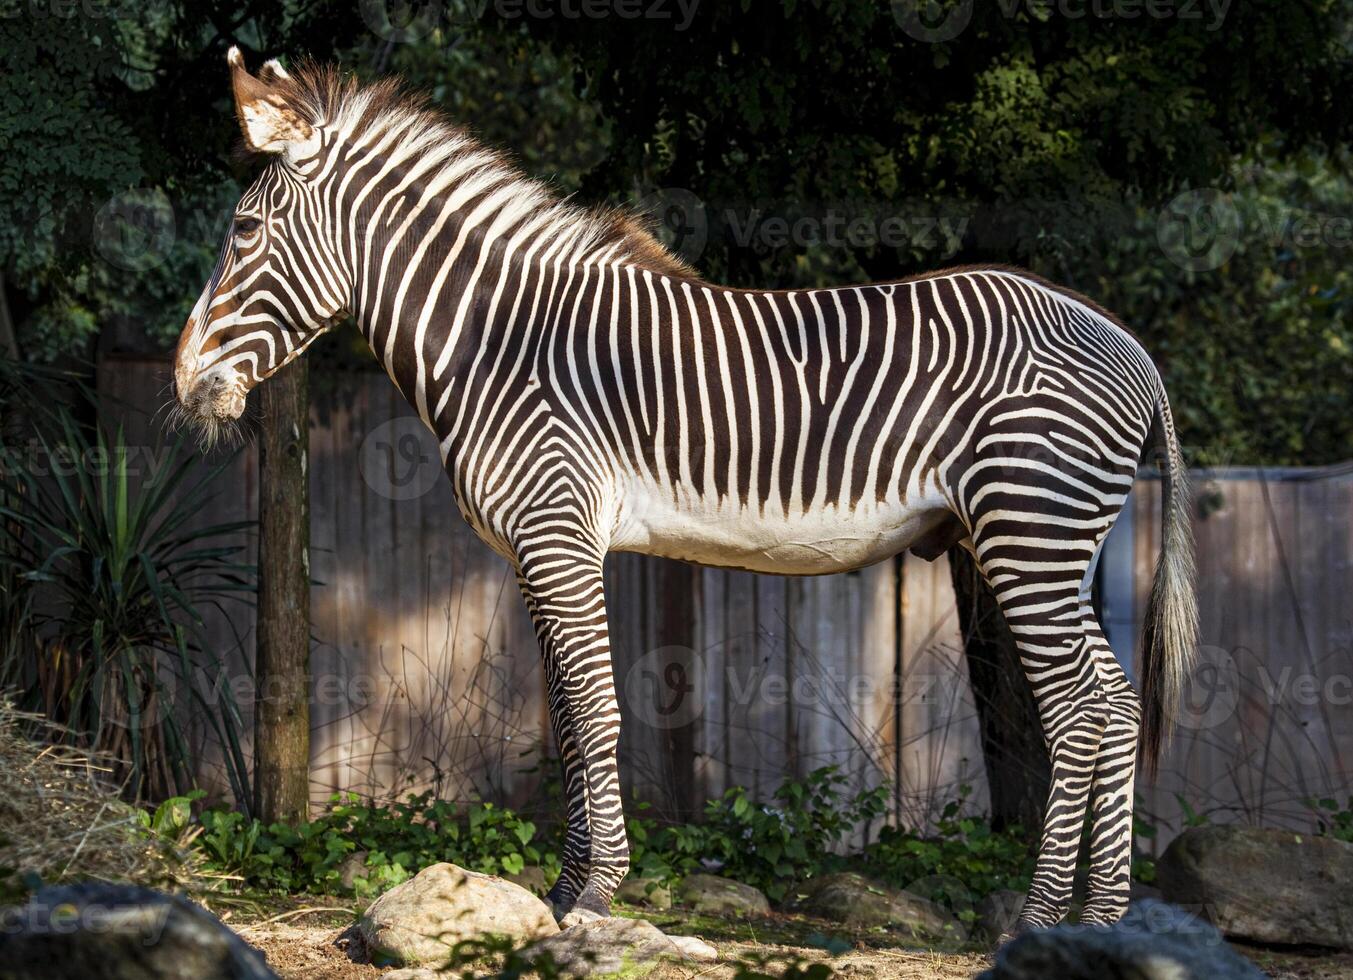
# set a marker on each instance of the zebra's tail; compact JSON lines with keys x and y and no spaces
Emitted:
{"x":1170,"y":630}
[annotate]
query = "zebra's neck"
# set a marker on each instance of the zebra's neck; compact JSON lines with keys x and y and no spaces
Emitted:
{"x":451,"y":252}
{"x":458,"y":281}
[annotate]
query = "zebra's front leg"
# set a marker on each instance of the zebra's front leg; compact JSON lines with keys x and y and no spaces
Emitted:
{"x":563,"y":590}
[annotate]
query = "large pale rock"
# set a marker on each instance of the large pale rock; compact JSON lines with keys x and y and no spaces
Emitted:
{"x":713,"y":895}
{"x":419,"y":921}
{"x":605,"y":946}
{"x":121,"y":932}
{"x":1154,"y":941}
{"x":1267,"y":886}
{"x":647,"y":892}
{"x":853,"y":900}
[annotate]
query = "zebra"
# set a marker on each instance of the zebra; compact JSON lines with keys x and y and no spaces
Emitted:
{"x":592,"y":393}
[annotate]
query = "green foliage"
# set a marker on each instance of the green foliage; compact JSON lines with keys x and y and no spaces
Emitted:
{"x":117,"y":155}
{"x":107,"y":583}
{"x":769,"y":846}
{"x":1257,"y":353}
{"x":1024,"y":108}
{"x":1331,"y":819}
{"x":397,"y":842}
{"x":962,"y":861}
{"x":1143,"y":828}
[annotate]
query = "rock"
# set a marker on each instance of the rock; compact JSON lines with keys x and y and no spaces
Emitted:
{"x":853,"y":900}
{"x":720,"y":896}
{"x":1267,"y":886}
{"x":647,"y":892}
{"x":611,"y":945}
{"x":352,"y":868}
{"x":998,"y":912}
{"x":577,"y":916}
{"x":695,"y":948}
{"x":419,"y":921}
{"x":532,"y":878}
{"x":1138,"y":892}
{"x":1154,"y":941}
{"x":121,"y":932}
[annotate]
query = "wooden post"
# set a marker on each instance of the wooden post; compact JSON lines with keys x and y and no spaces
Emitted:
{"x":1018,"y":771}
{"x":282,"y":667}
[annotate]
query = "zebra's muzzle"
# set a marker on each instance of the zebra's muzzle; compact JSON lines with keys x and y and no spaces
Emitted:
{"x":213,"y":398}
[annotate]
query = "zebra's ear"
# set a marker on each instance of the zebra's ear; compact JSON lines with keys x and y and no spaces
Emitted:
{"x":269,"y":124}
{"x":272,"y":71}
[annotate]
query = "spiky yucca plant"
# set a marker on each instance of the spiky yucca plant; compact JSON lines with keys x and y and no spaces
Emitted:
{"x":116,"y":576}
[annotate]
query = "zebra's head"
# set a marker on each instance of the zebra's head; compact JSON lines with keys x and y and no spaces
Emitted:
{"x":276,"y":286}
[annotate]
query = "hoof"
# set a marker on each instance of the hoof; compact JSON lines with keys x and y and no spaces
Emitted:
{"x":559,"y":903}
{"x":587,"y":907}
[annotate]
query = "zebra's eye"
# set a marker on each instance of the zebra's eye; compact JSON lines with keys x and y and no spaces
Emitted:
{"x":244,"y":227}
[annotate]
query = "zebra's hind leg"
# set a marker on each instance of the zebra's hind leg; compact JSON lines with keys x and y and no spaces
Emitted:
{"x":1111,"y":795}
{"x":562,"y":585}
{"x":1037,"y":564}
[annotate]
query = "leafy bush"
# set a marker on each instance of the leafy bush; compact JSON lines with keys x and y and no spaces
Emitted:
{"x":963,"y":861}
{"x":769,"y":846}
{"x":398,"y":840}
{"x":1331,"y":821}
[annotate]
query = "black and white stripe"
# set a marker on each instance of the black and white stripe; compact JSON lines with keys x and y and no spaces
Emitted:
{"x":591,"y":394}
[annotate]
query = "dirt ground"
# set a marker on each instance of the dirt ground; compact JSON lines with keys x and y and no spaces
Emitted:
{"x":309,"y":938}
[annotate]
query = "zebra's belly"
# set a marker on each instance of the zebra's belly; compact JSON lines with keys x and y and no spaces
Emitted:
{"x":728,"y":535}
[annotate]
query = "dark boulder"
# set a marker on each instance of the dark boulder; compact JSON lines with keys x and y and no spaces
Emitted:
{"x":1263,"y":885}
{"x":98,"y":931}
{"x":1154,"y":941}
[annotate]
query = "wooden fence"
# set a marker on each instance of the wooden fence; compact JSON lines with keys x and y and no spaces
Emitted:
{"x":427,"y":676}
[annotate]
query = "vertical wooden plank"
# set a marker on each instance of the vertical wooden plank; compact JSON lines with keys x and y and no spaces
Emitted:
{"x":746,"y":665}
{"x":325,"y":658}
{"x":939,"y":740}
{"x":712,"y":736}
{"x":873,"y":691}
{"x":364,"y":688}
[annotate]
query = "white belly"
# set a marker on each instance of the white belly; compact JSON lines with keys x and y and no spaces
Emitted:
{"x":725,"y":534}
